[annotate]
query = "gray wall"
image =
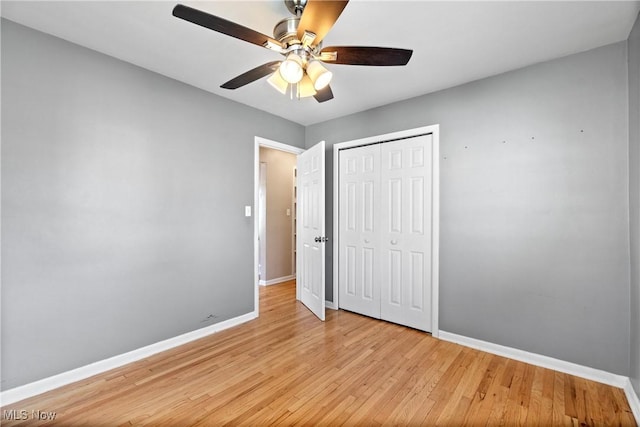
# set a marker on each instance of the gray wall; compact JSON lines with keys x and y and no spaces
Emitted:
{"x":534,"y":249}
{"x":123,"y":197}
{"x":634,"y":199}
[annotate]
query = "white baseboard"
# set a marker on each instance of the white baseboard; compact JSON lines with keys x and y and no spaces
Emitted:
{"x":38,"y":387}
{"x":538,"y":360}
{"x":634,"y":400}
{"x":276,"y":280}
{"x":331,"y":305}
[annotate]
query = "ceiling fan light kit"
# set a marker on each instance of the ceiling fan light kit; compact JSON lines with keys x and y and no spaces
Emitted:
{"x":305,"y":88}
{"x":319,"y":75}
{"x":291,"y":68}
{"x":299,"y":39}
{"x":278,"y":83}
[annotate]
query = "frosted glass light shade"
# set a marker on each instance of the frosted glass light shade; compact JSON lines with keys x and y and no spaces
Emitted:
{"x":305,"y":87}
{"x":319,"y":75}
{"x":278,"y":83}
{"x":291,"y":68}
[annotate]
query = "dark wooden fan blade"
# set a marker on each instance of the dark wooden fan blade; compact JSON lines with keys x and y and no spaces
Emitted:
{"x":319,"y":16}
{"x":220,"y":25}
{"x":324,"y":94}
{"x":252,"y":75}
{"x":364,"y":55}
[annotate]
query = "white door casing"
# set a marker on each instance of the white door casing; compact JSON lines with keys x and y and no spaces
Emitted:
{"x":310,"y":274}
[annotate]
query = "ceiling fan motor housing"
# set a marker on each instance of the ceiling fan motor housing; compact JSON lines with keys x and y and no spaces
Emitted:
{"x":286,"y":31}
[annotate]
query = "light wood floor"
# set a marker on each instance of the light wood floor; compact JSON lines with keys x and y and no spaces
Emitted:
{"x":289,"y":368}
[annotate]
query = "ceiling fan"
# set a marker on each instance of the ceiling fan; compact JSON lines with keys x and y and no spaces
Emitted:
{"x":299,"y":39}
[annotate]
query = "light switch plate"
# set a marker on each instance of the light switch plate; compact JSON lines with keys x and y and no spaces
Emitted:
{"x":247,"y":211}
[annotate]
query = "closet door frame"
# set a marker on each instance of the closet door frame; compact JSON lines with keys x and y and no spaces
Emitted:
{"x":434,"y":130}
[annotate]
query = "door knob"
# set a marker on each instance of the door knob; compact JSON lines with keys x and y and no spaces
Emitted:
{"x":394,"y":242}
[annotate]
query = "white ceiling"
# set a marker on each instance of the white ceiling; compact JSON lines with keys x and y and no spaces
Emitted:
{"x":453,"y":43}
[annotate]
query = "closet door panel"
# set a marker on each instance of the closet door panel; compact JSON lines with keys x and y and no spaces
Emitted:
{"x":394,"y":277}
{"x":405,"y":243}
{"x":359,"y":234}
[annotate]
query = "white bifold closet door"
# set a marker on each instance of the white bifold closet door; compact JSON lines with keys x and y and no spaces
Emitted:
{"x":385,"y":231}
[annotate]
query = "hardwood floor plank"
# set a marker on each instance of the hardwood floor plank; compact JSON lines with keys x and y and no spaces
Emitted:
{"x":511,"y":413}
{"x":287,"y":367}
{"x":488,"y":393}
{"x":462,"y":395}
{"x":400,"y":410}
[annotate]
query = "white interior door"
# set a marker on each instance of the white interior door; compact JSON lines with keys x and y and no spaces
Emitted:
{"x":310,"y":229}
{"x":359,"y":236}
{"x":405,"y":209}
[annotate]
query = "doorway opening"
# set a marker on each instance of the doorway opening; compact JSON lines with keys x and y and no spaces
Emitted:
{"x":276,"y":216}
{"x":275,"y":220}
